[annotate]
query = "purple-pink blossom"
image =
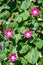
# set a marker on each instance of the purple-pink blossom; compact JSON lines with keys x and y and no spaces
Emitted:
{"x":27,"y":34}
{"x":34,"y":11}
{"x":8,"y":33}
{"x":12,"y":57}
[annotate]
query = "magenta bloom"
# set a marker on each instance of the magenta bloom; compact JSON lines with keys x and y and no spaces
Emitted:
{"x":27,"y":34}
{"x":8,"y":33}
{"x":34,"y":11}
{"x":12,"y":57}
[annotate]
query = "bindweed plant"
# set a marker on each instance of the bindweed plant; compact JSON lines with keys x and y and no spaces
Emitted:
{"x":21,"y":32}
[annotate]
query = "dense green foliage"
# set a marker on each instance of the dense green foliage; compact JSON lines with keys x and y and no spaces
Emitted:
{"x":15,"y":15}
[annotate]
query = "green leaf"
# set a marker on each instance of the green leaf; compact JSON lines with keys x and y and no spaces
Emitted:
{"x":22,"y":29}
{"x":6,"y":63}
{"x":24,"y":49}
{"x":41,"y":24}
{"x":25,"y":5}
{"x":39,"y":44}
{"x":12,"y":25}
{"x":40,"y":62}
{"x":5,"y":15}
{"x":1,"y":1}
{"x":18,"y":62}
{"x":4,"y":6}
{"x":23,"y":61}
{"x":25,"y":15}
{"x":14,"y":50}
{"x":34,"y":25}
{"x":32,"y":56}
{"x":17,"y":37}
{"x":32,"y":5}
{"x":2,"y":55}
{"x":0,"y":21}
{"x":39,"y":1}
{"x":18,"y":18}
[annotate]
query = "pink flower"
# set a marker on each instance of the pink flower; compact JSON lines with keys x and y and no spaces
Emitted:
{"x":12,"y":57}
{"x":34,"y":11}
{"x":27,"y":34}
{"x":8,"y":33}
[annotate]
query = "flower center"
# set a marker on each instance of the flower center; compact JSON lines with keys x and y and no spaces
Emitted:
{"x":9,"y":33}
{"x":35,"y":12}
{"x":13,"y":57}
{"x":28,"y":34}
